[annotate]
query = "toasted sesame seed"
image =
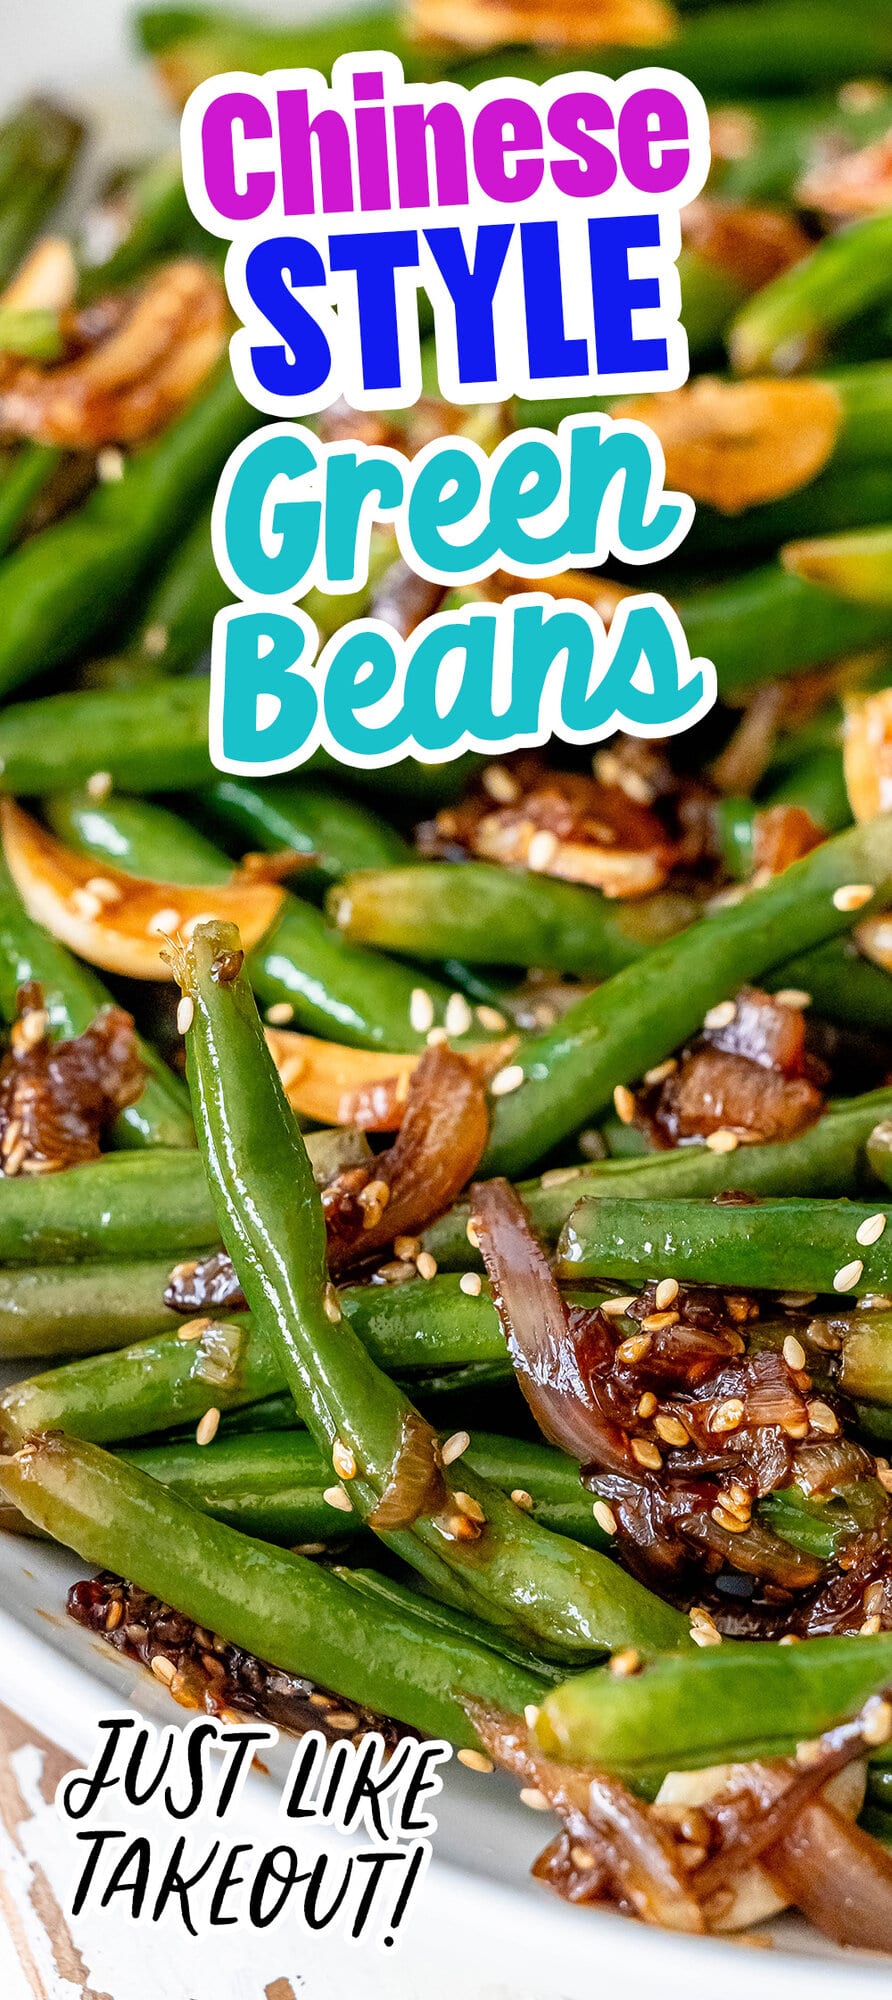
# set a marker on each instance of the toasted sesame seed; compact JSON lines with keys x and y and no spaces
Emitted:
{"x":491,"y":1018}
{"x":871,"y":1626}
{"x":334,"y":1496}
{"x":542,"y":849}
{"x":208,"y":1427}
{"x":705,"y":1635}
{"x":624,"y":1104}
{"x":163,"y":923}
{"x":792,"y":996}
{"x":163,"y":1668}
{"x":469,"y":1506}
{"x":114,"y":1614}
{"x":99,"y":784}
{"x":731,"y":1523}
{"x":436,"y":1038}
{"x":559,"y":1177}
{"x":796,"y":1299}
{"x":671,"y":1430}
{"x":822,"y":1418}
{"x":471,"y":1233}
{"x":794,"y":1352}
{"x":617,"y":1308}
{"x":656,"y":1322}
{"x":85,"y":905}
{"x":531,"y":1796}
{"x":876,"y":1721}
{"x":795,"y":1427}
{"x":524,"y":1500}
{"x":107,"y":892}
{"x":155,"y":641}
{"x":852,"y":896}
{"x":624,"y":1663}
{"x":500,"y":784}
{"x":789,"y":1639}
{"x":458,"y":1016}
{"x":454,"y":1446}
{"x":874,"y":1596}
{"x":331,"y":1304}
{"x":666,"y":1293}
{"x":634,"y":1349}
{"x":605,"y":1517}
{"x":847,"y":1276}
{"x":280,"y":1013}
{"x":723,"y":1141}
{"x":407,"y":1248}
{"x":185,"y":1014}
{"x":505,"y":1080}
{"x":871,"y":1230}
{"x":647,"y":1404}
{"x":343,"y":1460}
{"x":421,"y":1010}
{"x":426,"y":1265}
{"x":661,"y":1071}
{"x":727,"y":1415}
{"x":341,"y":1718}
{"x":531,"y":1714}
{"x":471,"y":1283}
{"x":721,"y":1016}
{"x":474,"y":1760}
{"x":192,"y":1329}
{"x":31,"y":1029}
{"x":646,"y":1453}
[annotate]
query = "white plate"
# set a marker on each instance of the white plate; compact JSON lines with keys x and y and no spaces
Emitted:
{"x":481,"y":1927}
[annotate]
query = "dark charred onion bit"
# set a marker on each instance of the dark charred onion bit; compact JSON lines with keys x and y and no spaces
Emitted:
{"x":749,"y":1073}
{"x":57,"y":1099}
{"x":561,"y":823}
{"x":402,"y":598}
{"x":206,"y":1672}
{"x":439,"y":1144}
{"x":203,"y":1282}
{"x":782,"y":834}
{"x":415,"y":1487}
{"x":753,"y":244}
{"x":679,"y":1866}
{"x":226,"y":967}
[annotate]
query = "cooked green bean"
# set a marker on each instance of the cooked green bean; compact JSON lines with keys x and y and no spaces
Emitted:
{"x":311,"y":817}
{"x":57,"y":1309}
{"x":789,"y":323}
{"x":792,"y":1245}
{"x":123,"y":1206}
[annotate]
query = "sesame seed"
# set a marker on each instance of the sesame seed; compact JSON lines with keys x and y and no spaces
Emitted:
{"x":871,"y":1230}
{"x":108,"y":892}
{"x":436,"y":1038}
{"x":720,"y":1016}
{"x":646,"y":1453}
{"x":873,"y":1597}
{"x":155,"y":641}
{"x":421,"y":1010}
{"x":192,"y":1329}
{"x":334,"y":1496}
{"x":109,"y":465}
{"x":789,"y":1639}
{"x":343,"y":1460}
{"x":163,"y":1668}
{"x":471,"y":1233}
{"x":671,"y":1430}
{"x":847,"y":1276}
{"x":870,"y":1627}
{"x":500,"y":784}
{"x":727,"y":1415}
{"x":723,"y":1141}
{"x":491,"y":1018}
{"x":876,"y":1721}
{"x":792,"y":996}
{"x":622,"y":1664}
{"x":531,"y":1796}
{"x":794,"y":1352}
{"x":624,"y":1104}
{"x":605,"y":1517}
{"x":852,"y":896}
{"x":542,"y":850}
{"x":406,"y":1248}
{"x":207,"y":1429}
{"x":426,"y":1265}
{"x":280,"y":1013}
{"x":185,"y":1014}
{"x":559,"y":1177}
{"x":531,"y":1715}
{"x":32,"y":1027}
{"x":469,"y":1506}
{"x":655,"y":1322}
{"x":474,"y":1760}
{"x":634,"y":1349}
{"x":666,"y":1293}
{"x":471,"y":1283}
{"x":617,"y":1308}
{"x":114,"y":1614}
{"x":454,"y":1446}
{"x":458,"y":1016}
{"x":85,"y":905}
{"x":661,"y":1071}
{"x":647,"y":1404}
{"x":99,"y":784}
{"x":795,"y":1299}
{"x":331,"y":1304}
{"x":507,"y":1079}
{"x":163,"y":923}
{"x":731,"y":1523}
{"x":524,"y":1500}
{"x":822,"y":1418}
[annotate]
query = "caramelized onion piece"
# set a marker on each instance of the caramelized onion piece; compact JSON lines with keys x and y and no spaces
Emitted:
{"x":734,"y":445}
{"x":782,"y":835}
{"x":490,"y":24}
{"x":867,"y":753}
{"x":850,"y":184}
{"x":753,"y":244}
{"x":838,"y":1876}
{"x":416,"y":1485}
{"x":57,"y":1099}
{"x":115,"y":920}
{"x":336,"y":1085}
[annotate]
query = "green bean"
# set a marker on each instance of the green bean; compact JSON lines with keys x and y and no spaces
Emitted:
{"x":722,"y":1704}
{"x":865,"y":1356}
{"x":789,"y":323}
{"x":31,"y":333}
{"x":830,"y":1158}
{"x":767,"y":623}
{"x":333,"y":988}
{"x":843,"y":496}
{"x":857,"y":566}
{"x":123,"y":1206}
{"x":775,"y":144}
{"x":787,"y":1245}
{"x":73,"y":995}
{"x":160,"y":224}
{"x":505,"y":916}
{"x":643,"y":1014}
{"x":147,"y":738}
{"x":310,"y":817}
{"x":56,"y":1309}
{"x":31,"y":471}
{"x":275,"y":1604}
{"x":39,"y":144}
{"x":64,"y":588}
{"x":879,"y":1150}
{"x":537,"y":1586}
{"x":197,"y":42}
{"x":844,"y":986}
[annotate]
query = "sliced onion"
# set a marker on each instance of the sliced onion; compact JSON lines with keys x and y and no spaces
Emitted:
{"x":437,"y":1148}
{"x":837,"y":1875}
{"x":121,"y":924}
{"x":336,"y":1085}
{"x":416,"y":1485}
